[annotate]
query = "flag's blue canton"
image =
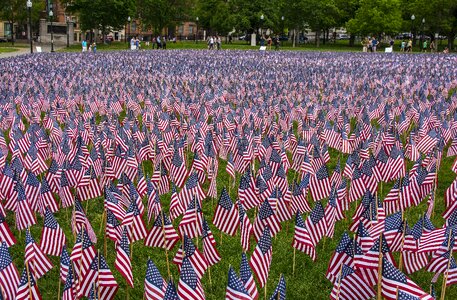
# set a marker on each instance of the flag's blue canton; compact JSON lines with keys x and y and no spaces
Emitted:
{"x":5,"y":257}
{"x":317,"y":213}
{"x":265,"y":210}
{"x":176,"y":161}
{"x":188,"y":274}
{"x":280,"y":291}
{"x":192,"y":181}
{"x":393,"y":222}
{"x":235,"y":283}
{"x":391,"y":273}
{"x":189,"y":247}
{"x":32,"y":180}
{"x":245,"y":270}
{"x":265,"y":241}
{"x":49,"y":220}
{"x":299,"y":220}
{"x":225,"y":201}
{"x":362,"y":231}
{"x":153,"y":275}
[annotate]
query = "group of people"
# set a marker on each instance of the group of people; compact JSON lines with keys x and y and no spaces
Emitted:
{"x":214,"y":42}
{"x":370,"y":44}
{"x":92,"y":47}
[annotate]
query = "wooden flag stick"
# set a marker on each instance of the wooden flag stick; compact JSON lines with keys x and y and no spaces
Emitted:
{"x":293,"y":264}
{"x":400,"y":264}
{"x":98,"y":274}
{"x":196,"y":228}
{"x":265,"y":291}
{"x":58,"y":290}
{"x":28,"y":279}
{"x":339,"y":283}
{"x":278,"y":296}
{"x":209,"y":274}
{"x":221,"y":237}
{"x":443,"y":288}
{"x":165,"y":242}
{"x":380,"y":269}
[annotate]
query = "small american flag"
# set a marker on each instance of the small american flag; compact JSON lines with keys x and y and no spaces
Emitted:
{"x":280,"y":290}
{"x":235,"y":288}
{"x":28,"y":289}
{"x":35,"y":257}
{"x":52,"y":236}
{"x":351,"y":285}
{"x":9,"y":276}
{"x":261,"y":258}
{"x":247,"y":278}
{"x":154,"y":284}
{"x":226,"y":215}
{"x":190,"y":286}
{"x":123,"y":263}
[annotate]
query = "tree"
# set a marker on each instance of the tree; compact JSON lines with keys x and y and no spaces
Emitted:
{"x":376,"y":17}
{"x":160,"y":14}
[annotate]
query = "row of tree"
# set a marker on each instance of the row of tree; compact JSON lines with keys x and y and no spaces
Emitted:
{"x":359,"y":17}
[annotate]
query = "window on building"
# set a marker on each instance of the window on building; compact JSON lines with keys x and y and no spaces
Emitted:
{"x":191,"y":29}
{"x":7,"y":29}
{"x":133,"y":27}
{"x":180,"y":30}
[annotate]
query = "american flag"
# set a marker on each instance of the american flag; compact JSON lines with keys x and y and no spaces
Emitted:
{"x":266,"y":217}
{"x":113,"y":228}
{"x":196,"y":258}
{"x":246,"y":191}
{"x":302,"y":240}
{"x":176,"y":207}
{"x":226,"y":215}
{"x":69,"y":292}
{"x":320,"y":184}
{"x":64,"y":263}
{"x":123,"y":263}
{"x":191,"y":222}
{"x":28,"y":288}
{"x":178,"y":170}
{"x":261,"y":258}
{"x":280,"y":290}
{"x":154,"y":206}
{"x":154,"y":284}
{"x":393,"y":280}
{"x":35,"y":258}
{"x":235,"y":288}
{"x":24,"y":215}
{"x":316,"y":223}
{"x":245,"y":227}
{"x":210,"y":252}
{"x":344,"y":254}
{"x":351,"y":286}
{"x":247,"y":278}
{"x":114,"y":205}
{"x":162,"y":233}
{"x":9,"y":276}
{"x":170,"y":292}
{"x":190,"y":286}
{"x":52,"y":236}
{"x":5,"y":233}
{"x":230,"y":168}
{"x":133,"y":221}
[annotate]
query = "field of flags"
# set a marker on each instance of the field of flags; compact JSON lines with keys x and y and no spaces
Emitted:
{"x":237,"y":175}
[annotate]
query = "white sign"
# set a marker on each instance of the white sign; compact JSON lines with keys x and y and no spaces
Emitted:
{"x":263,"y":48}
{"x":253,"y":39}
{"x":388,"y":50}
{"x":38,"y":49}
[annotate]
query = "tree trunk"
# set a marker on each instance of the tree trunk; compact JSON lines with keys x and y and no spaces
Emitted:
{"x":293,"y":38}
{"x":351,"y":40}
{"x":450,"y":41}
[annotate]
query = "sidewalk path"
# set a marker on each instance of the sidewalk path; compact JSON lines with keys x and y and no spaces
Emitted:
{"x":22,"y":51}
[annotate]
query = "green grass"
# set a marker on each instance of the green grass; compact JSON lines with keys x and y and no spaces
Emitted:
{"x":342,"y":45}
{"x":7,"y":50}
{"x":307,"y":282}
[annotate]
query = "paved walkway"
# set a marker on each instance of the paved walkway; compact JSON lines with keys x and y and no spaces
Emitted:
{"x":22,"y":51}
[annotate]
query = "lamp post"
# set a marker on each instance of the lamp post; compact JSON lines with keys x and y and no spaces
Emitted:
{"x":196,"y":32}
{"x":262,"y":17}
{"x":128,"y":32}
{"x":29,"y":8}
{"x":413,"y":17}
{"x":422,"y":32}
{"x":51,"y":15}
{"x":68,"y":31}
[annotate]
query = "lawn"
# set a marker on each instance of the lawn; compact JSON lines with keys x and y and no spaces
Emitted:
{"x":306,"y":282}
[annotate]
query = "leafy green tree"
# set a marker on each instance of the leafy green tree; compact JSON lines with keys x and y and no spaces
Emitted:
{"x":159,"y":14}
{"x":376,"y":17}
